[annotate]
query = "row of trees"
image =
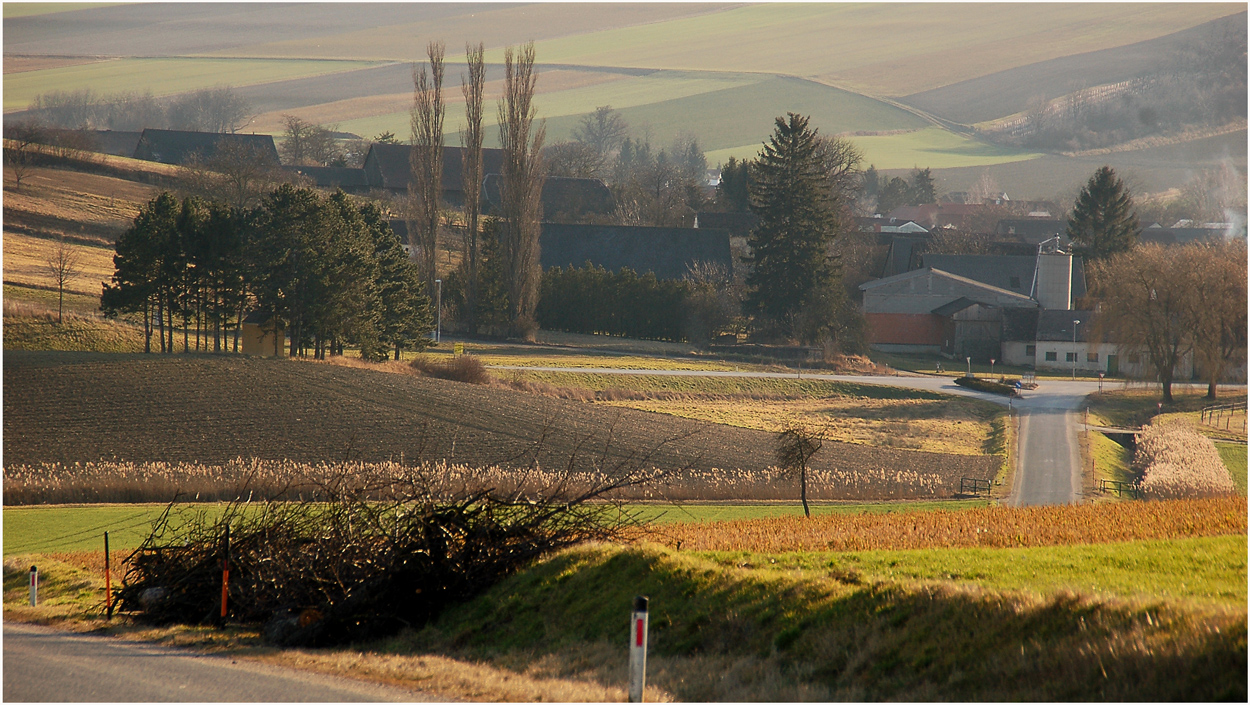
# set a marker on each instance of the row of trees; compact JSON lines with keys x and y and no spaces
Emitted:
{"x":218,"y":109}
{"x":1176,"y":301}
{"x":330,"y":269}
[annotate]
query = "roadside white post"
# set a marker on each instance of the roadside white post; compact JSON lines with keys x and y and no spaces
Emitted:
{"x":34,"y":586}
{"x":638,"y":649}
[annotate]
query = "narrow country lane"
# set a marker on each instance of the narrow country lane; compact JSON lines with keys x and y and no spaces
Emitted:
{"x":1048,"y":469}
{"x":44,"y":665}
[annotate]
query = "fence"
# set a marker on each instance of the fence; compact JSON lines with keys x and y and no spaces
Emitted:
{"x":1222,"y":416}
{"x":973,"y":486}
{"x":1120,"y":488}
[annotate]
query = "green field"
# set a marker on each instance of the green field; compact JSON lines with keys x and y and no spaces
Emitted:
{"x":163,"y":76}
{"x":1234,"y":457}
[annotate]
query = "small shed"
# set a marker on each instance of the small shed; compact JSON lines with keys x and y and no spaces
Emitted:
{"x":263,"y":335}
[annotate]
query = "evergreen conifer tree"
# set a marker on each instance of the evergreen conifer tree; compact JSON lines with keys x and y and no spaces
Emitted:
{"x":790,"y":193}
{"x":1103,"y":221}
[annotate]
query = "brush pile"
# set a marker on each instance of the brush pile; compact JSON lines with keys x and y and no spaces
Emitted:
{"x":363,"y":556}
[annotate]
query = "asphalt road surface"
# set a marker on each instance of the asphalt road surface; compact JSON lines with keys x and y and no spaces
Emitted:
{"x":1048,"y":468}
{"x":44,"y":665}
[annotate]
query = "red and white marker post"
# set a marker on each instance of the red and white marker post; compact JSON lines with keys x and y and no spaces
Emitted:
{"x":34,"y":586}
{"x":638,"y":649}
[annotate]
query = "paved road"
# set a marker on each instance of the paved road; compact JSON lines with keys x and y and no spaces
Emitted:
{"x":44,"y":665}
{"x":1048,"y":469}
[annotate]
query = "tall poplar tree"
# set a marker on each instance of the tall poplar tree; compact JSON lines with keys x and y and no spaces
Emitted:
{"x":522,"y":143}
{"x":794,"y":271}
{"x":471,"y":139}
{"x":1103,"y":222}
{"x":426,"y":187}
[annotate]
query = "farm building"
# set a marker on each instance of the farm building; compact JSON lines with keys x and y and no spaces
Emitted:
{"x":388,"y":167}
{"x":1045,"y":340}
{"x":668,"y":252}
{"x":333,"y":177}
{"x":263,"y":335}
{"x":929,"y":310}
{"x":179,"y":146}
{"x":1011,"y":272}
{"x":1032,"y":231}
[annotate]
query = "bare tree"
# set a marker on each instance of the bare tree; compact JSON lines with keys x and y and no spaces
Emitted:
{"x":602,"y":131}
{"x":1217,"y":304}
{"x":426,"y":187}
{"x":522,"y":187}
{"x":796,"y":444}
{"x":237,"y":174}
{"x":22,"y":149}
{"x":64,"y":264}
{"x":1146,"y":303}
{"x":306,"y":143}
{"x":471,"y":177}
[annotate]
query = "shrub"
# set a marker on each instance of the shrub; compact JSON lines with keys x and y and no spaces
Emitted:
{"x":594,"y":300}
{"x":985,"y":385}
{"x":460,"y":368}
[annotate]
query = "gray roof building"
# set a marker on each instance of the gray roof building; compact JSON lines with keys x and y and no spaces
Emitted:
{"x":668,"y":252}
{"x":1010,"y":272}
{"x":388,"y":166}
{"x":179,"y":146}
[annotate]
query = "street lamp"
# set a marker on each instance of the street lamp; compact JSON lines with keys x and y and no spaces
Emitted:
{"x":1075,"y":322}
{"x":438,"y":327}
{"x":969,"y":359}
{"x":992,"y":361}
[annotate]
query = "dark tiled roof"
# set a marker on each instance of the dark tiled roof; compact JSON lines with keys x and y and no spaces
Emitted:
{"x":121,"y":143}
{"x":177,"y":146}
{"x":666,"y":251}
{"x":1057,"y":325}
{"x":1031,"y":227}
{"x":739,"y":224}
{"x":346,"y":178}
{"x":902,"y":250}
{"x":562,"y":197}
{"x":1179,"y":236}
{"x":388,"y":166}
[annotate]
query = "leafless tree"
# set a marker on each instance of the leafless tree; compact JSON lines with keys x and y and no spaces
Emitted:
{"x":1146,"y":302}
{"x":64,"y":264}
{"x":602,"y":132}
{"x":22,"y":149}
{"x":796,"y":444}
{"x":426,"y":187}
{"x":1217,"y":305}
{"x":522,"y":186}
{"x":237,"y":174}
{"x":209,"y":110}
{"x":306,"y":143}
{"x":471,"y":138}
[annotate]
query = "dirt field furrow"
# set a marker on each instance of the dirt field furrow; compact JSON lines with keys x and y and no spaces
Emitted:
{"x":82,"y":407}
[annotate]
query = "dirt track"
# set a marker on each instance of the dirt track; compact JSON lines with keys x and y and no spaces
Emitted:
{"x":79,"y":407}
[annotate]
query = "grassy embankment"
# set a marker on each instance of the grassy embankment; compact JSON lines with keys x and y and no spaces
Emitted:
{"x":1161,"y":618}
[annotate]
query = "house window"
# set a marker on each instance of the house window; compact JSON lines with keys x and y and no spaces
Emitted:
{"x":1070,"y":357}
{"x":1091,"y":357}
{"x":1015,"y":282}
{"x":1030,"y":350}
{"x":1052,"y":356}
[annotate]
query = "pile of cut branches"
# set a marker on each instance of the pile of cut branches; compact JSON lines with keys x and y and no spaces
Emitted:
{"x":366,"y":553}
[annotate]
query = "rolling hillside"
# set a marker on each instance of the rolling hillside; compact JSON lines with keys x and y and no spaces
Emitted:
{"x":719,"y":72}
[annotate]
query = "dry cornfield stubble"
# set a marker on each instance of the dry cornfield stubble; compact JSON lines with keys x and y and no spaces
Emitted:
{"x":997,"y":527}
{"x":209,"y":410}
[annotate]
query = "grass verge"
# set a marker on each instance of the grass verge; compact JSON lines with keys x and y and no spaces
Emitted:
{"x":1234,"y":457}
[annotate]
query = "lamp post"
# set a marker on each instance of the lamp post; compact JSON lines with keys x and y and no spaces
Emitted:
{"x":438,"y":327}
{"x":969,"y":359}
{"x":992,"y":361}
{"x":1075,"y":322}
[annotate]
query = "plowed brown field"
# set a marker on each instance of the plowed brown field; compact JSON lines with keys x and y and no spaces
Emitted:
{"x":79,"y":407}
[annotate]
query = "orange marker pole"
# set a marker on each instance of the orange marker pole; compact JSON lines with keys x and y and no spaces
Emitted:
{"x":108,"y":579}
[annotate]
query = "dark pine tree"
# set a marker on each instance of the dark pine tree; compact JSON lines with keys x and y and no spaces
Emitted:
{"x":798,"y":216}
{"x":732,"y":193}
{"x":1103,"y":221}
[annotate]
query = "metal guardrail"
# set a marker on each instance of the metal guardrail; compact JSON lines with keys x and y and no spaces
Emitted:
{"x":1120,"y":488}
{"x":974,"y":486}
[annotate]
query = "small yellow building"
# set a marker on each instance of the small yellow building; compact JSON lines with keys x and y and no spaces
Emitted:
{"x":259,"y":333}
